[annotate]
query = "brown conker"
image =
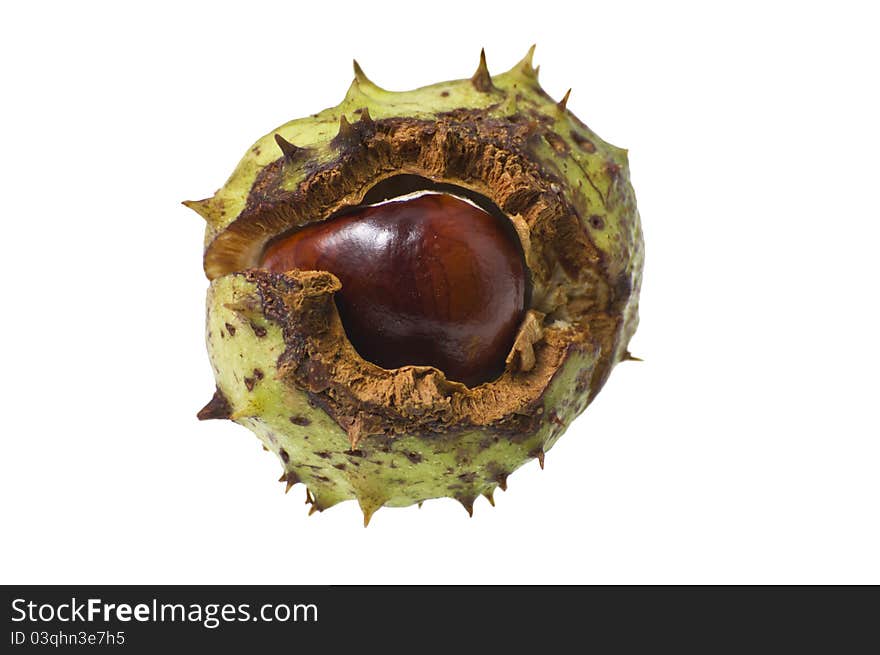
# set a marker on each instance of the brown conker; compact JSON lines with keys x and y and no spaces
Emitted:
{"x":429,"y":280}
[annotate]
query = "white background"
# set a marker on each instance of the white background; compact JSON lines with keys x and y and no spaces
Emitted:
{"x":744,"y":449}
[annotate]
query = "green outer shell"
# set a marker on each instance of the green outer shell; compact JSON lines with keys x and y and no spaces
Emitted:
{"x":408,"y":468}
{"x":398,"y":472}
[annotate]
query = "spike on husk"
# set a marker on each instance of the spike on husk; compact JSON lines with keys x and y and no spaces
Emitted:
{"x":468,"y":503}
{"x":368,"y":508}
{"x":206,"y":208}
{"x":291,"y":152}
{"x":481,"y":79}
{"x":346,"y":131}
{"x":538,"y":454}
{"x":524,"y":67}
{"x":562,"y":103}
{"x":217,"y":408}
{"x":352,"y":135}
{"x":361,"y":78}
{"x":291,"y":478}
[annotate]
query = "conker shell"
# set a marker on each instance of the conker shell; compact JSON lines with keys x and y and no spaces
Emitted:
{"x":284,"y":365}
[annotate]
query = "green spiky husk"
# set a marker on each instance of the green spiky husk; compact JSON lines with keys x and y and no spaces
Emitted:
{"x":350,"y":430}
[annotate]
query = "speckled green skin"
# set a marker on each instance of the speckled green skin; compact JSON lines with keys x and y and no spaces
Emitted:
{"x":247,"y":340}
{"x":395,"y":472}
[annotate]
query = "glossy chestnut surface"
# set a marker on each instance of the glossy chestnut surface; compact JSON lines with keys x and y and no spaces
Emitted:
{"x":430,"y":280}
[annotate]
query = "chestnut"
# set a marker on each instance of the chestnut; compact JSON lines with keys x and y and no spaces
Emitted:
{"x":429,"y":280}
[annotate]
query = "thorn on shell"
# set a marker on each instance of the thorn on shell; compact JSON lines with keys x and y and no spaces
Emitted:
{"x":217,"y":408}
{"x":360,"y":77}
{"x":562,"y":103}
{"x":539,"y":454}
{"x":481,"y":80}
{"x":290,"y":151}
